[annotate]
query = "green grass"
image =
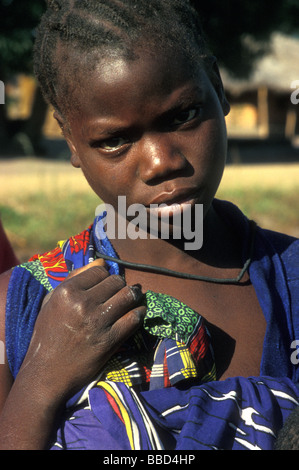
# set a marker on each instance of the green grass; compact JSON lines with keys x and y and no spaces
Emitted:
{"x":37,"y":223}
{"x":278,"y":205}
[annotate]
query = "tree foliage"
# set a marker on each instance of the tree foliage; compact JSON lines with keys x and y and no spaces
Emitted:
{"x":227,"y":24}
{"x":238,"y":31}
{"x":18,"y":21}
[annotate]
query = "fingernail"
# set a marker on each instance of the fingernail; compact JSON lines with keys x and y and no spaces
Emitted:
{"x":136,"y":289}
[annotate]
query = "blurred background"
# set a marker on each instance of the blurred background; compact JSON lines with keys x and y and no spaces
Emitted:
{"x":44,"y":199}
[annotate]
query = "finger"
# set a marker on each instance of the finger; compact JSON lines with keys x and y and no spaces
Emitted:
{"x":127,"y":325}
{"x":92,"y":275}
{"x":101,"y":292}
{"x":119,"y":304}
{"x":120,"y":332}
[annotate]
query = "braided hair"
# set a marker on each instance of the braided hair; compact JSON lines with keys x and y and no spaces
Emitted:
{"x":109,"y":25}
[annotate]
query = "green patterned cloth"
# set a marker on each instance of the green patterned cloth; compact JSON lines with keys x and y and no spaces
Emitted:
{"x":179,"y":348}
{"x":167,"y":317}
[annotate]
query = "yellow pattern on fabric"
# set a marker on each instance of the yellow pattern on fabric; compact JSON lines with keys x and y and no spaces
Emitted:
{"x":189,"y":369}
{"x":122,"y":409}
{"x":118,"y":373}
{"x":211,"y":375}
{"x":61,"y":243}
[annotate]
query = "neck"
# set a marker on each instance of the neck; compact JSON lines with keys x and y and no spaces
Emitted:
{"x":219,"y":248}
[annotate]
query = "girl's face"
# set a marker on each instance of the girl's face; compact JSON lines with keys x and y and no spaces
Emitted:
{"x":151,"y":129}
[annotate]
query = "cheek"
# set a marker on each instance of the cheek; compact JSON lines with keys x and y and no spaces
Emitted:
{"x":107,"y":180}
{"x":217,"y":161}
{"x":219,"y":143}
{"x":211,"y":157}
{"x":102,"y":186}
{"x":211,"y":147}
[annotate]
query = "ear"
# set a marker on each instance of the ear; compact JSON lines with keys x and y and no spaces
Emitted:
{"x":75,"y":161}
{"x":215,"y":77}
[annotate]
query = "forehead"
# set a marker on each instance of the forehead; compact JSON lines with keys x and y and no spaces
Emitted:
{"x":158,"y":72}
{"x":116,"y":80}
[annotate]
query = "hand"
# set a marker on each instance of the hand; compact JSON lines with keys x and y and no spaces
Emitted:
{"x":80,"y":326}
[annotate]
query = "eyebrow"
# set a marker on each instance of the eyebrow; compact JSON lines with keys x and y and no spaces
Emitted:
{"x":108,"y":131}
{"x":188,"y":95}
{"x":186,"y":98}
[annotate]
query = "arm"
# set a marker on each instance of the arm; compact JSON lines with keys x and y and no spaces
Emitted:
{"x":6,"y":379}
{"x":77,"y":330}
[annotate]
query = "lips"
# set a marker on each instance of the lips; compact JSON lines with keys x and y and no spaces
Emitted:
{"x":169,"y":204}
{"x":178,"y":196}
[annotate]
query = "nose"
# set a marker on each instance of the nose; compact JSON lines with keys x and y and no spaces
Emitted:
{"x":159,"y":157}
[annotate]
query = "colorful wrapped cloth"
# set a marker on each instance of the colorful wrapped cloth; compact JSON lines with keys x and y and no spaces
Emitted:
{"x":159,"y":391}
{"x":179,"y":349}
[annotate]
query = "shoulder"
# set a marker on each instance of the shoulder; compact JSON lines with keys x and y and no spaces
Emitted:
{"x":282,"y":246}
{"x":281,"y":241}
{"x":274,"y":247}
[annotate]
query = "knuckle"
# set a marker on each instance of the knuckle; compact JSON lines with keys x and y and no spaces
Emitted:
{"x":67,"y":297}
{"x":79,"y":308}
{"x":63,"y":293}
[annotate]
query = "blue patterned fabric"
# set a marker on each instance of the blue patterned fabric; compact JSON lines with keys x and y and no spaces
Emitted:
{"x":238,"y":413}
{"x":235,"y":414}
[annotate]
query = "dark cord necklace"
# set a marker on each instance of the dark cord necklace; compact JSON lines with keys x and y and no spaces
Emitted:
{"x":169,"y":272}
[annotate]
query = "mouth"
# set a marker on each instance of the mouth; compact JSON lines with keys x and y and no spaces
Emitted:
{"x":170,"y":204}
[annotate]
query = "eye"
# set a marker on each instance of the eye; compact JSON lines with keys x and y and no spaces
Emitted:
{"x":185,"y":116}
{"x":114,"y":143}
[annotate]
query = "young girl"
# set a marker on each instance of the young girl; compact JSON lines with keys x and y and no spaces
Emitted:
{"x":180,"y":348}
